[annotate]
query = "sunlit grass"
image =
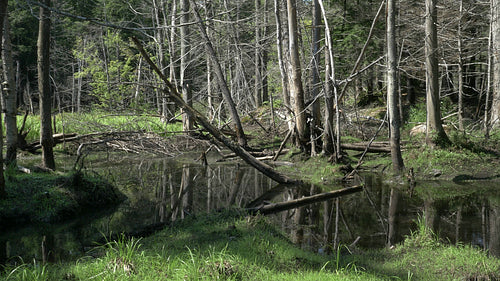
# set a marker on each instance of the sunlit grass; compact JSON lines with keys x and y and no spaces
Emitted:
{"x":232,"y":246}
{"x":99,"y":122}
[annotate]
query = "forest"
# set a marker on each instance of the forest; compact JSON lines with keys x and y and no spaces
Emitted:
{"x":314,"y":64}
{"x":406,"y":91}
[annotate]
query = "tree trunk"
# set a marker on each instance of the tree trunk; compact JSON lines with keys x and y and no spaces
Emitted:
{"x":460,"y":71}
{"x":435,"y":134}
{"x":316,"y":38}
{"x":43,"y":64}
{"x":187,"y":121}
{"x":3,"y":14}
{"x":257,"y":54}
{"x":495,"y":41}
{"x":279,"y":46}
{"x":242,"y":140}
{"x":331,"y":101}
{"x":296,"y":89}
{"x":392,"y":88}
{"x":10,"y":96}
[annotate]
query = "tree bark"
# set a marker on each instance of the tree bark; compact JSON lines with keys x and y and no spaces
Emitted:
{"x":10,"y":96}
{"x":252,"y":161}
{"x":3,"y":14}
{"x":281,"y":63}
{"x":316,"y":109}
{"x":296,"y":89}
{"x":495,"y":41}
{"x":242,"y":140}
{"x":43,"y":64}
{"x":187,"y":123}
{"x":392,"y":88}
{"x":435,"y":134}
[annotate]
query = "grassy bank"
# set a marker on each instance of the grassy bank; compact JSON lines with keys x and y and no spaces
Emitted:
{"x":50,"y":197}
{"x":232,"y":246}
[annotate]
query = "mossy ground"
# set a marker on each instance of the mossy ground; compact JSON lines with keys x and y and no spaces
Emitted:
{"x":50,"y":197}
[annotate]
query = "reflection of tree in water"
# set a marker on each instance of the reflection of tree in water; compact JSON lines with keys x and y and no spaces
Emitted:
{"x":494,"y":217}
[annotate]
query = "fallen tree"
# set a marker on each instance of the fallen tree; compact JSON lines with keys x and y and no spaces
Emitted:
{"x":200,"y":118}
{"x":291,"y":204}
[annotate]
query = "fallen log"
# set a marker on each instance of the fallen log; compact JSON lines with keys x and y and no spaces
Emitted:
{"x":362,"y":147}
{"x":291,"y":204}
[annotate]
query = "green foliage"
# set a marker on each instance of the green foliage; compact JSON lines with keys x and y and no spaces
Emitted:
{"x":417,"y":114}
{"x":110,"y":69}
{"x":100,"y":121}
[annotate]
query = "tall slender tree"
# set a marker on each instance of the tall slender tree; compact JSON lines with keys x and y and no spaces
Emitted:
{"x":392,"y":88}
{"x":435,"y":134}
{"x":495,"y":42}
{"x":187,"y":121}
{"x":296,"y":88}
{"x":3,"y":14}
{"x":10,"y":95}
{"x":43,"y":66}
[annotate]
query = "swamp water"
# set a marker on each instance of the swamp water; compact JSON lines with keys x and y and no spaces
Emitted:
{"x":158,"y":190}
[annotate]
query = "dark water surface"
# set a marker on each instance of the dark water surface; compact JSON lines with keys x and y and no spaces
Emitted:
{"x":162,"y":189}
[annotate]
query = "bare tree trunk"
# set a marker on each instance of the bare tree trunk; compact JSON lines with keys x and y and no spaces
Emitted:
{"x":460,"y":71}
{"x":316,"y":85}
{"x":392,"y":88}
{"x":43,"y":63}
{"x":242,"y":140}
{"x":435,"y":134}
{"x":257,"y":54}
{"x":488,"y":77}
{"x":187,"y":121}
{"x":330,"y":100}
{"x":279,"y":46}
{"x":495,"y":49}
{"x":10,"y":96}
{"x":297,"y":90}
{"x":3,"y":14}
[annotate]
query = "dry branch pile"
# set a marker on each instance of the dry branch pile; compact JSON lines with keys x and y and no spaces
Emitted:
{"x":130,"y":141}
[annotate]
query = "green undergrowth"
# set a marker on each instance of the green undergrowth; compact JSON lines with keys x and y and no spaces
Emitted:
{"x":50,"y":197}
{"x":97,"y":121}
{"x":317,"y":170}
{"x":422,"y":256}
{"x":230,"y":245}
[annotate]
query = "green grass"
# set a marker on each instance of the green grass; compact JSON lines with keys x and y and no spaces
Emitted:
{"x":232,"y":246}
{"x":48,"y":197}
{"x":97,"y":121}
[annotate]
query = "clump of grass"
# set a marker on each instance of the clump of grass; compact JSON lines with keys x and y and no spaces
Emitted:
{"x":28,"y":272}
{"x":121,"y":254}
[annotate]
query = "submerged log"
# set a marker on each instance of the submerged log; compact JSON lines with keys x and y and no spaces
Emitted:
{"x":291,"y":204}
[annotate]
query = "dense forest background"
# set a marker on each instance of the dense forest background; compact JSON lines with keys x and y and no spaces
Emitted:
{"x":306,"y":60}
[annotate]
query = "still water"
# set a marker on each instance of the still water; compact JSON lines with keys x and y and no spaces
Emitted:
{"x":160,"y":189}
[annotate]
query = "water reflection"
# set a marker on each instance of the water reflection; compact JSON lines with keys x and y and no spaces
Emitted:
{"x":163,"y":190}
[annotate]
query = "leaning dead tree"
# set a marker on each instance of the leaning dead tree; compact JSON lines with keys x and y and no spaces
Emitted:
{"x":242,"y":153}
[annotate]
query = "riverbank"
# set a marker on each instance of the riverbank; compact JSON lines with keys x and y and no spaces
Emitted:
{"x":51,"y":197}
{"x":230,"y":245}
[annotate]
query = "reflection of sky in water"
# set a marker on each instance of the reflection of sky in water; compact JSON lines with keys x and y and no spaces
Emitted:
{"x":154,"y":186}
